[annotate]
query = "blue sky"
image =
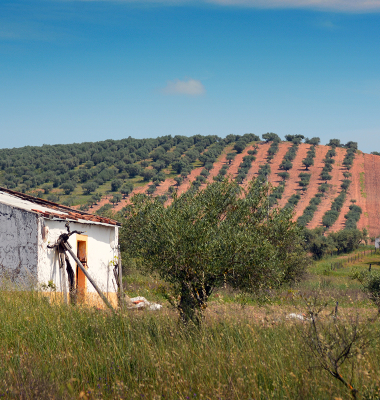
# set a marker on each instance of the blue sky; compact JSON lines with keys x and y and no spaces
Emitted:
{"x":74,"y":71}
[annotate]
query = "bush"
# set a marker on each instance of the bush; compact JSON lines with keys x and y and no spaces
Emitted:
{"x":240,"y":146}
{"x":325,"y":176}
{"x":305,"y":179}
{"x":353,"y":216}
{"x":308,"y":162}
{"x":230,"y":157}
{"x":264,"y":171}
{"x":126,"y":189}
{"x":314,"y":141}
{"x":334,"y":143}
{"x":293,"y":201}
{"x":68,"y":187}
{"x":286,"y":165}
{"x":89,"y":187}
{"x":345,"y":184}
{"x":371,"y":285}
{"x":309,"y":211}
{"x":271,"y":137}
{"x":332,"y":215}
{"x":115,"y":185}
{"x":347,"y":240}
{"x":283,"y":175}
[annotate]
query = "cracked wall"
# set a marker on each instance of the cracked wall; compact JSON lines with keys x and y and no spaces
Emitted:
{"x":18,"y":245}
{"x":102,"y":248}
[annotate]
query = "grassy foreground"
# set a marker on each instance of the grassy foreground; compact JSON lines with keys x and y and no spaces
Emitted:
{"x":55,"y":351}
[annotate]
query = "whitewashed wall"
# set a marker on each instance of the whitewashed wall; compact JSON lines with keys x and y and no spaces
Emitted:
{"x":18,"y":245}
{"x":101,"y":249}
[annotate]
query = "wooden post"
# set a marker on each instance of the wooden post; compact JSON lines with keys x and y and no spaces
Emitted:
{"x":76,"y":259}
{"x":120,"y":276}
{"x":61,"y":257}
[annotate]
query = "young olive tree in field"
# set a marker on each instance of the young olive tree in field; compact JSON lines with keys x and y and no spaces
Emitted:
{"x":207,"y":238}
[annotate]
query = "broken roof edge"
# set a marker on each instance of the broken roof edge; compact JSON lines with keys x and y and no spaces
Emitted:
{"x":72,"y":213}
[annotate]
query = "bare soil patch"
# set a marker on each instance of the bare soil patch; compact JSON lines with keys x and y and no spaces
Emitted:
{"x":371,"y":194}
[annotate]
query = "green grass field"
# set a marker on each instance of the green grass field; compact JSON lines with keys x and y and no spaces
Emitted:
{"x":244,"y":350}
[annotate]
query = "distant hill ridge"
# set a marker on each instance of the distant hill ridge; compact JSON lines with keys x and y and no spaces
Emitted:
{"x":322,"y":184}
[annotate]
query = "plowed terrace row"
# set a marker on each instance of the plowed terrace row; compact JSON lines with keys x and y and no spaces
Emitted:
{"x":364,"y":188}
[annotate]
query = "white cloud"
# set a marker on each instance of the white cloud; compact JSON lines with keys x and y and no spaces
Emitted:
{"x":326,"y":5}
{"x":190,"y":87}
{"x":336,"y":5}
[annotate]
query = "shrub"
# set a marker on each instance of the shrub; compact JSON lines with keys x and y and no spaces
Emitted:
{"x":308,"y":162}
{"x":283,"y":175}
{"x":353,"y":216}
{"x":325,"y":176}
{"x":271,"y":137}
{"x":314,"y":141}
{"x":286,"y":165}
{"x":116,"y":184}
{"x":305,"y":179}
{"x":89,"y":187}
{"x":370,"y":281}
{"x":68,"y":187}
{"x":309,"y":211}
{"x":293,"y":201}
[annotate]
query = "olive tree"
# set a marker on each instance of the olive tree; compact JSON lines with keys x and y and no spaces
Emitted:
{"x":204,"y":239}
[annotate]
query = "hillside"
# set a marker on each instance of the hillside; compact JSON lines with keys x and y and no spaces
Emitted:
{"x":103,"y":175}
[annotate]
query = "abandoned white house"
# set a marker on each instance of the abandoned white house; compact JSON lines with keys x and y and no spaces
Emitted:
{"x":28,"y":226}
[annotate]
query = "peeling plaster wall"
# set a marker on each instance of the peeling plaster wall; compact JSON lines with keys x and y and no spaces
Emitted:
{"x":18,"y":245}
{"x":102,"y":245}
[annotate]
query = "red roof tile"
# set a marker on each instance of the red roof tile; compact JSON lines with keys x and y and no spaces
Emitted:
{"x":71,"y":212}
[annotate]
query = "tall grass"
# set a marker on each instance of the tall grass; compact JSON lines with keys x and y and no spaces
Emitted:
{"x":57,"y":351}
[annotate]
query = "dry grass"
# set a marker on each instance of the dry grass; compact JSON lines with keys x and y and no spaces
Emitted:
{"x":251,"y":352}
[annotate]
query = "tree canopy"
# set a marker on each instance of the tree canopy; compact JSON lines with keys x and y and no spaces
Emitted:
{"x":205,"y":239}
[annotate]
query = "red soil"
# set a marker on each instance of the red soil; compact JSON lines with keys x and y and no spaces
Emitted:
{"x":261,"y":158}
{"x":273,"y":178}
{"x":337,"y":177}
{"x":217,"y":167}
{"x":312,"y":189}
{"x":124,"y":202}
{"x":352,"y":194}
{"x":185,"y":185}
{"x":292,"y":185}
{"x":234,"y":167}
{"x":372,"y":193}
{"x":164,"y":187}
{"x":101,"y":203}
{"x":366,"y":194}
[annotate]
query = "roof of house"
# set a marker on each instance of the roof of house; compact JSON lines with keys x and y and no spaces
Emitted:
{"x":50,"y":210}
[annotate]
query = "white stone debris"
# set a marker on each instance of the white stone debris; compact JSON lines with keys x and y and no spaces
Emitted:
{"x":301,"y":317}
{"x":140,"y":302}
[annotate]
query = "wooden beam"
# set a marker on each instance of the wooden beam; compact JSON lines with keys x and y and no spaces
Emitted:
{"x":76,"y":259}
